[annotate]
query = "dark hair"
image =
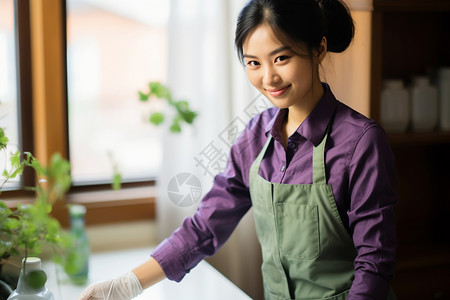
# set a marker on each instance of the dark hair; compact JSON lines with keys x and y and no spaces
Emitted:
{"x":299,"y":22}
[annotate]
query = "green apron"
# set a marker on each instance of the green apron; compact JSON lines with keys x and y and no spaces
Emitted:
{"x":307,"y":252}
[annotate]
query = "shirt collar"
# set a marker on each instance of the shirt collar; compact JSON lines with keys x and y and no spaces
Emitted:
{"x":313,"y":128}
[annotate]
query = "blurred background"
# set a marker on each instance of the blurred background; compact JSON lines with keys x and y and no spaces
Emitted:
{"x":71,"y":70}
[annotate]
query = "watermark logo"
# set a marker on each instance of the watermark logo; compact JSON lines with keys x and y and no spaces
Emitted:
{"x":213,"y":158}
{"x":233,"y":130}
{"x":184,"y":189}
{"x":257,"y":106}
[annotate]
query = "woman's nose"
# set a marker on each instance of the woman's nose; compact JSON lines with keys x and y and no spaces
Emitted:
{"x":270,"y":76}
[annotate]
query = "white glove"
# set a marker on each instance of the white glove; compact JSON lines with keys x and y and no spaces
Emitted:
{"x":124,"y":287}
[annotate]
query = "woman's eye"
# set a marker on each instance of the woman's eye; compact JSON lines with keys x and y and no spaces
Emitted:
{"x":253,"y":63}
{"x":281,"y":58}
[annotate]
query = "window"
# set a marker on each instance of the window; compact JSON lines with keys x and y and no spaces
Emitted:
{"x":114,"y":49}
{"x":9,"y":102}
{"x":40,"y":87}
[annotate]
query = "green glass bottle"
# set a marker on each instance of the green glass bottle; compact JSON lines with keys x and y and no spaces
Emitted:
{"x":78,"y":256}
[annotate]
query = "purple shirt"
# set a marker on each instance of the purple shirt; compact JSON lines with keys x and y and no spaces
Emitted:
{"x":360,"y":169}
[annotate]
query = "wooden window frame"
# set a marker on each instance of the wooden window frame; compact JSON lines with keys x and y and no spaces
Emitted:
{"x":24,"y":93}
{"x":47,"y":132}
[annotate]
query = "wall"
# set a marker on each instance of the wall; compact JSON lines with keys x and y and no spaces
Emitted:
{"x":348,"y":73}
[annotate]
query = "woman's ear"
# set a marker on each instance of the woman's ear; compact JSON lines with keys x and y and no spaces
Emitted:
{"x":321,"y":52}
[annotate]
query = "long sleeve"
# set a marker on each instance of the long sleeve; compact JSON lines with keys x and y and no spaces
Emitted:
{"x":207,"y":230}
{"x":371,"y":215}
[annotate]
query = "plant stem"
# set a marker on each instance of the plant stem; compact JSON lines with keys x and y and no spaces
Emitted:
{"x":24,"y":264}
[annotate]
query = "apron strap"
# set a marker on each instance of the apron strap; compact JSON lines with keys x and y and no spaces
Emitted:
{"x":319,"y":174}
{"x":258,"y":159}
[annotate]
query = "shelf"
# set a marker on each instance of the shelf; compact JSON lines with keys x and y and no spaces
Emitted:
{"x":409,"y":38}
{"x":411,"y":5}
{"x":422,"y":272}
{"x":423,"y":256}
{"x":422,"y":138}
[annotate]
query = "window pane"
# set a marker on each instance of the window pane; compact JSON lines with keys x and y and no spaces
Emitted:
{"x":114,"y":49}
{"x":8,"y":89}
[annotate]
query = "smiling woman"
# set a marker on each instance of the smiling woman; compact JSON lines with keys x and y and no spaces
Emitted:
{"x":317,"y":174}
{"x":284,"y":74}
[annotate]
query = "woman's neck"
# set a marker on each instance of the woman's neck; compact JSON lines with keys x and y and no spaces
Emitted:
{"x":299,"y":112}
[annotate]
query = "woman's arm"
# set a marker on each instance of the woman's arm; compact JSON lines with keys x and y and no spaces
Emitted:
{"x":149,"y":273}
{"x":371,"y":214}
{"x":126,"y":286}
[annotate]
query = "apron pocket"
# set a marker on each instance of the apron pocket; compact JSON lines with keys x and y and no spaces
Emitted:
{"x":298,"y":230}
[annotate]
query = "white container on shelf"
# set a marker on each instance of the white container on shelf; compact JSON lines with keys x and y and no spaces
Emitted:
{"x":444,"y":98}
{"x":424,"y":104}
{"x":394,"y":106}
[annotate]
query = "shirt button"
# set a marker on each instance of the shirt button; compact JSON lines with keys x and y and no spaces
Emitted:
{"x":283,"y":168}
{"x":292,"y":146}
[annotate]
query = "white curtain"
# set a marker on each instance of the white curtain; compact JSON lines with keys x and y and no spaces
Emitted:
{"x":204,"y":69}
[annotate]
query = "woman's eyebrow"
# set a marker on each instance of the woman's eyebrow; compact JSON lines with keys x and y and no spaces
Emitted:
{"x":283,"y":48}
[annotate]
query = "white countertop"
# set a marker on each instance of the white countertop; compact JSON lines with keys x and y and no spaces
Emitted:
{"x":203,"y":282}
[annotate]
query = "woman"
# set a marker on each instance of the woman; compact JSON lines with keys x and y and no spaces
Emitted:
{"x":317,"y":173}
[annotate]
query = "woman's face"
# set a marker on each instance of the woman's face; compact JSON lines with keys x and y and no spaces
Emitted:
{"x":285,"y":77}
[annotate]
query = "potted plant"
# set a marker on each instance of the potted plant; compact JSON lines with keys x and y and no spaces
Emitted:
{"x":180,"y":108}
{"x":24,"y":230}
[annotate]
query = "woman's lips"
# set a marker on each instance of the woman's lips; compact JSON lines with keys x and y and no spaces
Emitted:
{"x":278,"y":92}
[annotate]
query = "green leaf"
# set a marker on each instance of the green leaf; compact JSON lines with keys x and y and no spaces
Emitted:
{"x":143,"y":97}
{"x":36,"y":165}
{"x":48,"y":208}
{"x":16,"y":172}
{"x":3,"y":139}
{"x":159,"y":90}
{"x":11,"y":224}
{"x":4,"y":210}
{"x":175,"y":127}
{"x":28,"y":158}
{"x":156,"y":118}
{"x":3,"y":142}
{"x":183,"y":112}
{"x":117,"y":181}
{"x":67,"y":240}
{"x":59,"y":166}
{"x":189,"y":116}
{"x":15,"y":159}
{"x":182,"y":105}
{"x":58,"y":176}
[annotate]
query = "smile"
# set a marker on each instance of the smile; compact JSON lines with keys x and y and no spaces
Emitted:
{"x":278,"y":92}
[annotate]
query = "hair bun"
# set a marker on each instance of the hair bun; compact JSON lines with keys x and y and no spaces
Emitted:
{"x":340,"y":28}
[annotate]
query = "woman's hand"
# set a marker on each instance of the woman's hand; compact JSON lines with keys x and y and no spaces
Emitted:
{"x":124,"y":287}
